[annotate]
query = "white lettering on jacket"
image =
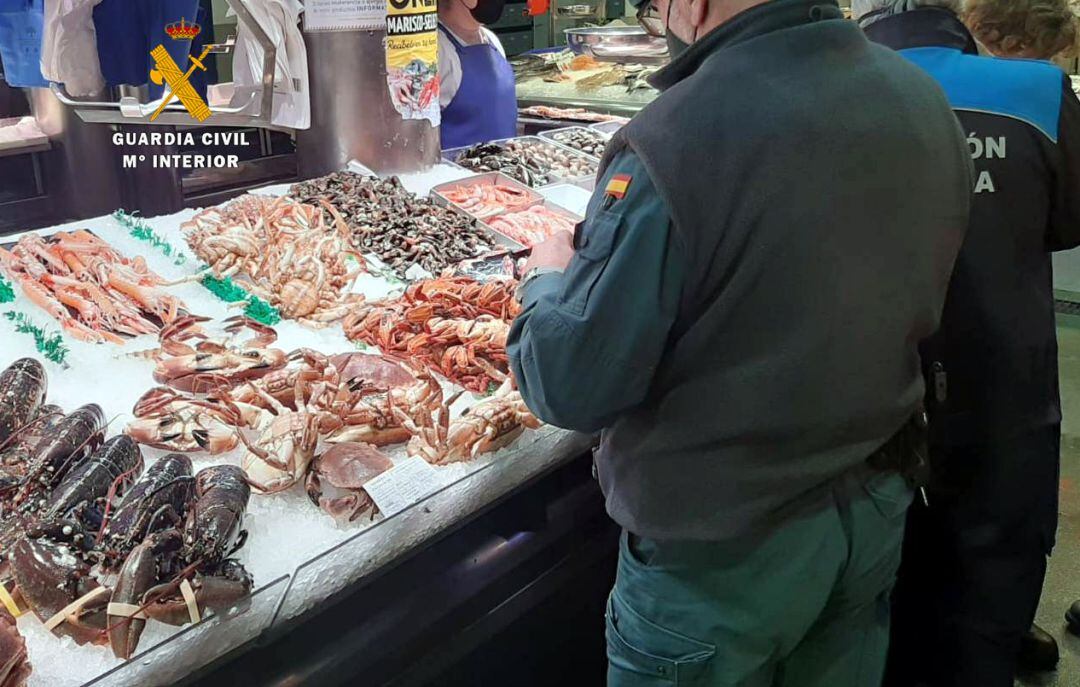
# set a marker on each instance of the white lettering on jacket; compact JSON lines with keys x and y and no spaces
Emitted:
{"x":989,"y":148}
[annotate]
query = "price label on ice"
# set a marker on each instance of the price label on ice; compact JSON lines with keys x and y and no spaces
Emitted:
{"x":403,"y":485}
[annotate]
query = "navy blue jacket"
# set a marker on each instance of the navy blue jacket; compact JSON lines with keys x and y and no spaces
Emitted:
{"x":992,"y":367}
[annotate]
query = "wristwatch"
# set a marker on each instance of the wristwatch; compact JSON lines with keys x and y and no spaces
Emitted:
{"x":532,"y":274}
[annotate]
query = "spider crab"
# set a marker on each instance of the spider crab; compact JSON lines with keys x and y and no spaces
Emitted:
{"x":488,"y":426}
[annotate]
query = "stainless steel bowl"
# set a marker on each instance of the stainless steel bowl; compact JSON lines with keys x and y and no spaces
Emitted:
{"x":617,"y":44}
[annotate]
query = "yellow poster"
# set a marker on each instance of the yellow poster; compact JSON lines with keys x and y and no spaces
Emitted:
{"x":412,"y":59}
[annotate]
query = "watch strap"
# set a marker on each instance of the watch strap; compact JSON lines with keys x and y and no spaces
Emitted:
{"x":532,"y":274}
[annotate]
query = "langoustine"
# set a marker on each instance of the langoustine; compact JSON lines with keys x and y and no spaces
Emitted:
{"x":93,"y":291}
{"x":532,"y":226}
{"x":488,"y":200}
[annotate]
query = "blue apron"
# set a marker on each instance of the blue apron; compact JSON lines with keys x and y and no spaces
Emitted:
{"x":485,"y":105}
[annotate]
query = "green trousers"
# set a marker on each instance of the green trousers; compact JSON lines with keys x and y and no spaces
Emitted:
{"x":803,"y":606}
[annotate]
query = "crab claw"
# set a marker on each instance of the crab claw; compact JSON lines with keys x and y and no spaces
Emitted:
{"x":216,"y":439}
{"x":154,"y":401}
{"x":264,"y":335}
{"x":313,"y":486}
{"x":139,"y":574}
{"x":310,"y":356}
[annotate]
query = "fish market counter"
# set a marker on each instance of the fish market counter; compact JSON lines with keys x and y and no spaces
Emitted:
{"x":459,"y":546}
{"x":608,"y":100}
{"x":416,"y":620}
{"x":565,"y":80}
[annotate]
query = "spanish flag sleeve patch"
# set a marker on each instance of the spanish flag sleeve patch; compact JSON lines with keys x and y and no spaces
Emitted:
{"x":617,"y":186}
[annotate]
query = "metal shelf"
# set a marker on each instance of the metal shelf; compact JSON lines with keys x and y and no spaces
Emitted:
{"x":129,"y":110}
{"x":35,"y":145}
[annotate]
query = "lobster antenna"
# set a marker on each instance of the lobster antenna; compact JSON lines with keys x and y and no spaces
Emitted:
{"x":112,"y":494}
{"x":181,"y":478}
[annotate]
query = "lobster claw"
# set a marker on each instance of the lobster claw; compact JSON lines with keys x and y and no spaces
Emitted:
{"x":166,"y":603}
{"x":139,"y":574}
{"x":50,"y":578}
{"x":14,"y":665}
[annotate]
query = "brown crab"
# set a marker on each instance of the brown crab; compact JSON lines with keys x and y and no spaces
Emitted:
{"x":346,"y":468}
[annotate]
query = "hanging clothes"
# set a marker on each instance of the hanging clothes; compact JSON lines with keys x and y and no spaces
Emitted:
{"x":158,"y":15}
{"x":127,"y":30}
{"x":485,"y":105}
{"x":200,"y":78}
{"x":118,"y":26}
{"x":292,"y":102}
{"x":21,"y":26}
{"x":69,"y":53}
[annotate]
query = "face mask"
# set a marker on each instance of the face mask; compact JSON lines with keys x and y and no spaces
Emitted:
{"x":487,"y":11}
{"x":675,"y":45}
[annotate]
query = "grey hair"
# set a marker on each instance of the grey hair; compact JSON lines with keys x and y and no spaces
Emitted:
{"x":860,"y":8}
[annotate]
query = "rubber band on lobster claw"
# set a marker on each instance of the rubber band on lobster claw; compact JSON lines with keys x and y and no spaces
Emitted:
{"x":64,"y":613}
{"x":9,"y":602}
{"x":189,"y":598}
{"x":125,"y":610}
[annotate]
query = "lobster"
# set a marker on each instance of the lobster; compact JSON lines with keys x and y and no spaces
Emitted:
{"x":175,"y":574}
{"x":51,"y":564}
{"x":160,"y":499}
{"x":22,"y":391}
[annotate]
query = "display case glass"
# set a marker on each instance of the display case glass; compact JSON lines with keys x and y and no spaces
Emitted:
{"x":298,"y":556}
{"x":615,"y":99}
{"x":189,"y":648}
{"x":378,"y":545}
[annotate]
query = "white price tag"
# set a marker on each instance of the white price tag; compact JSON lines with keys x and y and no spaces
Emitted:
{"x":403,"y":485}
{"x":344,"y":15}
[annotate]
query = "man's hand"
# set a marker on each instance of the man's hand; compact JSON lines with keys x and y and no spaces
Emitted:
{"x":555,"y":252}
